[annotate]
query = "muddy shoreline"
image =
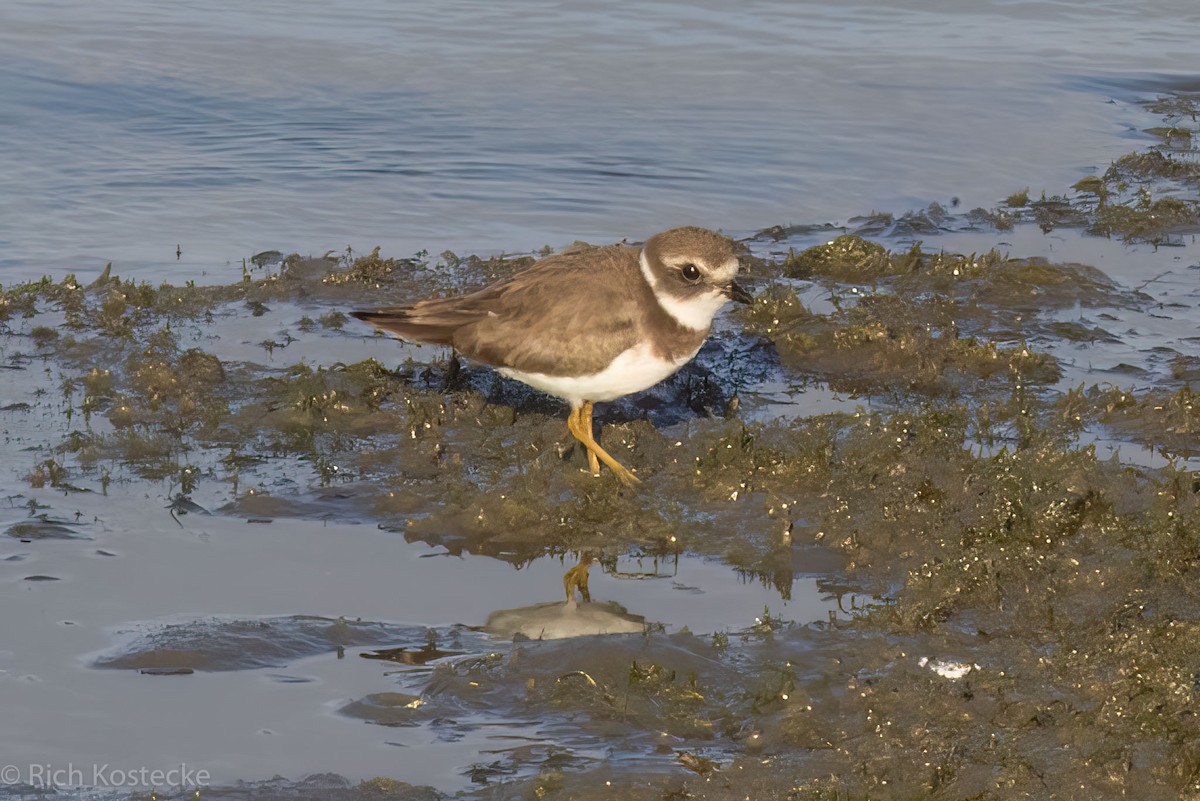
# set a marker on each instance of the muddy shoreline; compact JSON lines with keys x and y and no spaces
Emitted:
{"x":991,"y":457}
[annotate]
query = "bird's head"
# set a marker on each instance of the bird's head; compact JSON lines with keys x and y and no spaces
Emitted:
{"x":692,"y":271}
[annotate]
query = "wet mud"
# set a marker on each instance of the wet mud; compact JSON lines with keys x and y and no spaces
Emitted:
{"x":1020,"y":616}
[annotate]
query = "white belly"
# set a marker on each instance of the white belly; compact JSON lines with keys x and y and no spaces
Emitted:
{"x":632,"y":371}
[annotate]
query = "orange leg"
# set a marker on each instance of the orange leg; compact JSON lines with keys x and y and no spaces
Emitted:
{"x":585,"y":415}
{"x":579,"y":423}
{"x":577,"y":579}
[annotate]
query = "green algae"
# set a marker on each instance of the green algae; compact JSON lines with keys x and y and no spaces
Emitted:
{"x":1147,"y":219}
{"x":372,"y":270}
{"x":48,"y":473}
{"x":417,"y":273}
{"x":847,"y":256}
{"x":991,"y":278}
{"x":1145,"y":196}
{"x":1167,"y":421}
{"x":892,"y":343}
{"x":1018,"y":199}
{"x":1039,"y":565}
{"x":1027,"y":560}
{"x":1034,"y":633}
{"x":1149,"y":165}
{"x":118,"y":307}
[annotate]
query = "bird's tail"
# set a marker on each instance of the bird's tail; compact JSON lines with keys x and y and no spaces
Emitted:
{"x":430,"y":322}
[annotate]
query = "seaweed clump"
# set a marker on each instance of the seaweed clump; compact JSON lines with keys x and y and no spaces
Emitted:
{"x":1145,"y":196}
{"x":1033,"y":631}
{"x":889,"y":343}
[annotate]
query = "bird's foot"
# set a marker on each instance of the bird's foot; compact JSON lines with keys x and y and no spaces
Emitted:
{"x":579,"y":423}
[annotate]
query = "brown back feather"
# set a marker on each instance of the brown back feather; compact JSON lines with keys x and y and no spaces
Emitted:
{"x":551,"y":317}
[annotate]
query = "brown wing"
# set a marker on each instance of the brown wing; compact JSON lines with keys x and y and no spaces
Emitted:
{"x":568,"y":313}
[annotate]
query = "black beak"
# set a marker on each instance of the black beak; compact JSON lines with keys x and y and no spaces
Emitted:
{"x":735,"y":292}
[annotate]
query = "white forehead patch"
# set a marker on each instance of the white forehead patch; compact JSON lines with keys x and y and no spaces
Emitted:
{"x":726,"y":272}
{"x":718,"y":274}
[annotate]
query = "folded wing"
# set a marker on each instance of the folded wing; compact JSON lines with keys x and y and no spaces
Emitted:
{"x":564,"y":315}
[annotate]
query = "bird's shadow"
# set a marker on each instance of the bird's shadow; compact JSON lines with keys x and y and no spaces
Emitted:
{"x":708,"y":386}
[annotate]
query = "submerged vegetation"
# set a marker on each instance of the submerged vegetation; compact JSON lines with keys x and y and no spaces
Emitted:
{"x":1034,"y":633}
{"x":1146,"y":196}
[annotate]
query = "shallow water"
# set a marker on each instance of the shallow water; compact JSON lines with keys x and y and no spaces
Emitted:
{"x":133,"y":572}
{"x":132,"y":128}
{"x":254,"y":708}
{"x":231,"y":130}
{"x":264,"y":705}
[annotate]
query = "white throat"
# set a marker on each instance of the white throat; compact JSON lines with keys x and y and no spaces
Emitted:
{"x":697,"y":313}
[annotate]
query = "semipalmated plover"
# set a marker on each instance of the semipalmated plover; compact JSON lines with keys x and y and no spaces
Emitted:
{"x":587,"y":325}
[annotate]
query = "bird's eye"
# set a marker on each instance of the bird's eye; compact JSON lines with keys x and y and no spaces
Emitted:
{"x":691,"y":272}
